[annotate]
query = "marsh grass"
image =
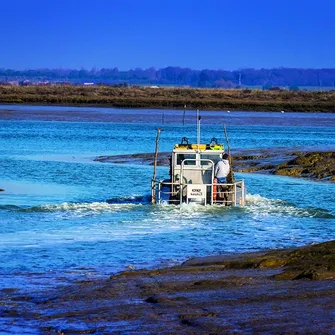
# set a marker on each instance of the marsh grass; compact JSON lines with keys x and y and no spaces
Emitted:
{"x":175,"y":98}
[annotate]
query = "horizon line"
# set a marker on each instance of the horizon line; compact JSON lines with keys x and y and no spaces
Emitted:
{"x":162,"y":68}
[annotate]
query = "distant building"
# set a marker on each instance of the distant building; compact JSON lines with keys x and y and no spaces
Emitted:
{"x":25,"y":82}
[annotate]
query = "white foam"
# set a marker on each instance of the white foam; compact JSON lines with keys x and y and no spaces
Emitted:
{"x":261,"y":206}
{"x":84,"y":207}
{"x":258,"y":199}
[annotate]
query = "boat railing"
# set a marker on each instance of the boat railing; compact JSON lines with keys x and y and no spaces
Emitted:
{"x":227,"y":194}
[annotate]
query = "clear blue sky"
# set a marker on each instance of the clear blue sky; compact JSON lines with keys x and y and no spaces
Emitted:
{"x":199,"y":34}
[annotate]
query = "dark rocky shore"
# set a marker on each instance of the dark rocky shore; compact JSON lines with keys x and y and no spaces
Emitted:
{"x":318,"y":165}
{"x":275,"y":292}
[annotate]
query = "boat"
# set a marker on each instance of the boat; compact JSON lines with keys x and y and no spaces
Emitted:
{"x":191,"y":177}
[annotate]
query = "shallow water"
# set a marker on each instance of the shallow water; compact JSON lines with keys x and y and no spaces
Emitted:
{"x":64,"y":217}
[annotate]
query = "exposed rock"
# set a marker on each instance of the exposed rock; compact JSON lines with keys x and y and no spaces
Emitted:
{"x":318,"y":165}
{"x":144,"y":158}
{"x":282,"y":291}
{"x":312,"y":262}
{"x":152,"y":300}
{"x":309,"y":274}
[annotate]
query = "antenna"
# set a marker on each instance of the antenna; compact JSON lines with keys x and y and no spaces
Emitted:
{"x":184,"y":115}
{"x":198,"y":127}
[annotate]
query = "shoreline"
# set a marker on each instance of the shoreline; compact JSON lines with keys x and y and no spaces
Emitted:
{"x":283,"y":290}
{"x":237,"y":108}
{"x":170,"y":98}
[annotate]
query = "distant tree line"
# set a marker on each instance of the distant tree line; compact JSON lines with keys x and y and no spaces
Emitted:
{"x":176,"y":76}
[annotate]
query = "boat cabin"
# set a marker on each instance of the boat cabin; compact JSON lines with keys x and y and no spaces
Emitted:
{"x":192,"y":179}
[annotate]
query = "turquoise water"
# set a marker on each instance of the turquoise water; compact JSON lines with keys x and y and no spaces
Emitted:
{"x":64,"y":216}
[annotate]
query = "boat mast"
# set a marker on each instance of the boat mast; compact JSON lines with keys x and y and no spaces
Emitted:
{"x":198,"y":127}
{"x":230,"y":177}
{"x":153,"y":181}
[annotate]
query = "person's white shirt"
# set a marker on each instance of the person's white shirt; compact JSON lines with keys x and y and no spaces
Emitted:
{"x":222,"y":168}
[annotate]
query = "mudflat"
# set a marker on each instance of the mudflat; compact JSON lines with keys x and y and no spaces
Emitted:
{"x":278,"y":292}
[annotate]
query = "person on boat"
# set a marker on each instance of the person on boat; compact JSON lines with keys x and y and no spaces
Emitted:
{"x":221,"y":172}
{"x":222,"y":168}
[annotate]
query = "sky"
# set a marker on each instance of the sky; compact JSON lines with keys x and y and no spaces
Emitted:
{"x":197,"y":34}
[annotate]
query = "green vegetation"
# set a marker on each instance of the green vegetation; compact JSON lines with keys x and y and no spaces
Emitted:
{"x":193,"y":98}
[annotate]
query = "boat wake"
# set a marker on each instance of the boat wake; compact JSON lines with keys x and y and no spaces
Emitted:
{"x":110,"y":205}
{"x":78,"y":207}
{"x":262,"y":206}
{"x":256,"y":205}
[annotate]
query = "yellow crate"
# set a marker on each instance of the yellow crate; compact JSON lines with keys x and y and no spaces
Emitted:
{"x":181,"y":147}
{"x":198,"y":146}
